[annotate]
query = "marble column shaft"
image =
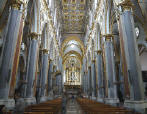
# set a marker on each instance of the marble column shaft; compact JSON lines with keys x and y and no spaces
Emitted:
{"x":86,"y":78}
{"x":93,"y":79}
{"x":50,"y":76}
{"x":60,"y":84}
{"x":44,"y":73}
{"x":57,"y":83}
{"x":110,"y":69}
{"x":100,"y":77}
{"x":83,"y":79}
{"x":84,"y":83}
{"x":31,"y":68}
{"x":129,"y":44}
{"x":89,"y":81}
{"x":9,"y":51}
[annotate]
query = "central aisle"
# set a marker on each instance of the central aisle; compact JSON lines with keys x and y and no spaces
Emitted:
{"x":73,"y":107}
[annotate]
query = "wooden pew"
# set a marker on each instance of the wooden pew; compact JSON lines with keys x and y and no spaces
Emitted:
{"x":38,"y":113}
{"x":49,"y":107}
{"x":93,"y":107}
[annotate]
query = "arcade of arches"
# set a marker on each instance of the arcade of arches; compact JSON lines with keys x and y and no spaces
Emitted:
{"x":93,"y":48}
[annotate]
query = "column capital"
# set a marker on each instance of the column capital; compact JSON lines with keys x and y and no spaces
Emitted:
{"x":89,"y":66}
{"x":108,"y":37}
{"x":126,"y":5}
{"x":85,"y":71}
{"x":16,"y":4}
{"x":45,"y":51}
{"x":38,"y":72}
{"x":99,"y":51}
{"x":50,"y":60}
{"x":34,"y":35}
{"x":93,"y":60}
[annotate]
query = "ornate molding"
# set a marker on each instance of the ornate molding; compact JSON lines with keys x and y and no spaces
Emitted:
{"x":34,"y":35}
{"x":45,"y":51}
{"x":108,"y":37}
{"x":16,"y":4}
{"x":93,"y":60}
{"x":99,"y":51}
{"x":126,"y":5}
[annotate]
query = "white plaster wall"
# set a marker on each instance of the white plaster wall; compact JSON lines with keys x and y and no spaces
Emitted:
{"x":143,"y":60}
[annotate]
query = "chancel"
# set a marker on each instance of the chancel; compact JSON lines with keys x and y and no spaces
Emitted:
{"x":73,"y":56}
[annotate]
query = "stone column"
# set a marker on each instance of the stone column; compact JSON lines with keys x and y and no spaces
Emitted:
{"x":56,"y":85}
{"x":54,"y":78}
{"x":118,"y":67}
{"x":89,"y":81}
{"x":93,"y":79}
{"x":100,"y":78}
{"x":83,"y":79}
{"x":86,"y":78}
{"x":129,"y":50}
{"x":50,"y":73}
{"x":44,"y":74}
{"x":31,"y":69}
{"x":60,"y":84}
{"x":9,"y":53}
{"x":83,"y":82}
{"x":111,"y":97}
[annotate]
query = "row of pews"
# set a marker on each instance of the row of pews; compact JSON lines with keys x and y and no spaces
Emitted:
{"x":93,"y":107}
{"x":49,"y":107}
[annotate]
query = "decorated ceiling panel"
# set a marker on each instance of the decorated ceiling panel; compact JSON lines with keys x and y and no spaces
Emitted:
{"x":73,"y":15}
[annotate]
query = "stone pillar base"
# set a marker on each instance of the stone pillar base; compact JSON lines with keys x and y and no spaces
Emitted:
{"x":9,"y":103}
{"x":51,"y":95}
{"x":56,"y":96}
{"x":50,"y":98}
{"x":30,"y":101}
{"x":43,"y":99}
{"x":111,"y":101}
{"x":93,"y":98}
{"x":100,"y":100}
{"x":60,"y":96}
{"x":139,"y":106}
{"x":85,"y":96}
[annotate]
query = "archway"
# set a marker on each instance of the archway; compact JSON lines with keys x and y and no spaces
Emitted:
{"x":72,"y":53}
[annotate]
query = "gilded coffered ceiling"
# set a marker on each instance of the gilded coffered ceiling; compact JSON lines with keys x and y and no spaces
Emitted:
{"x":73,"y":15}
